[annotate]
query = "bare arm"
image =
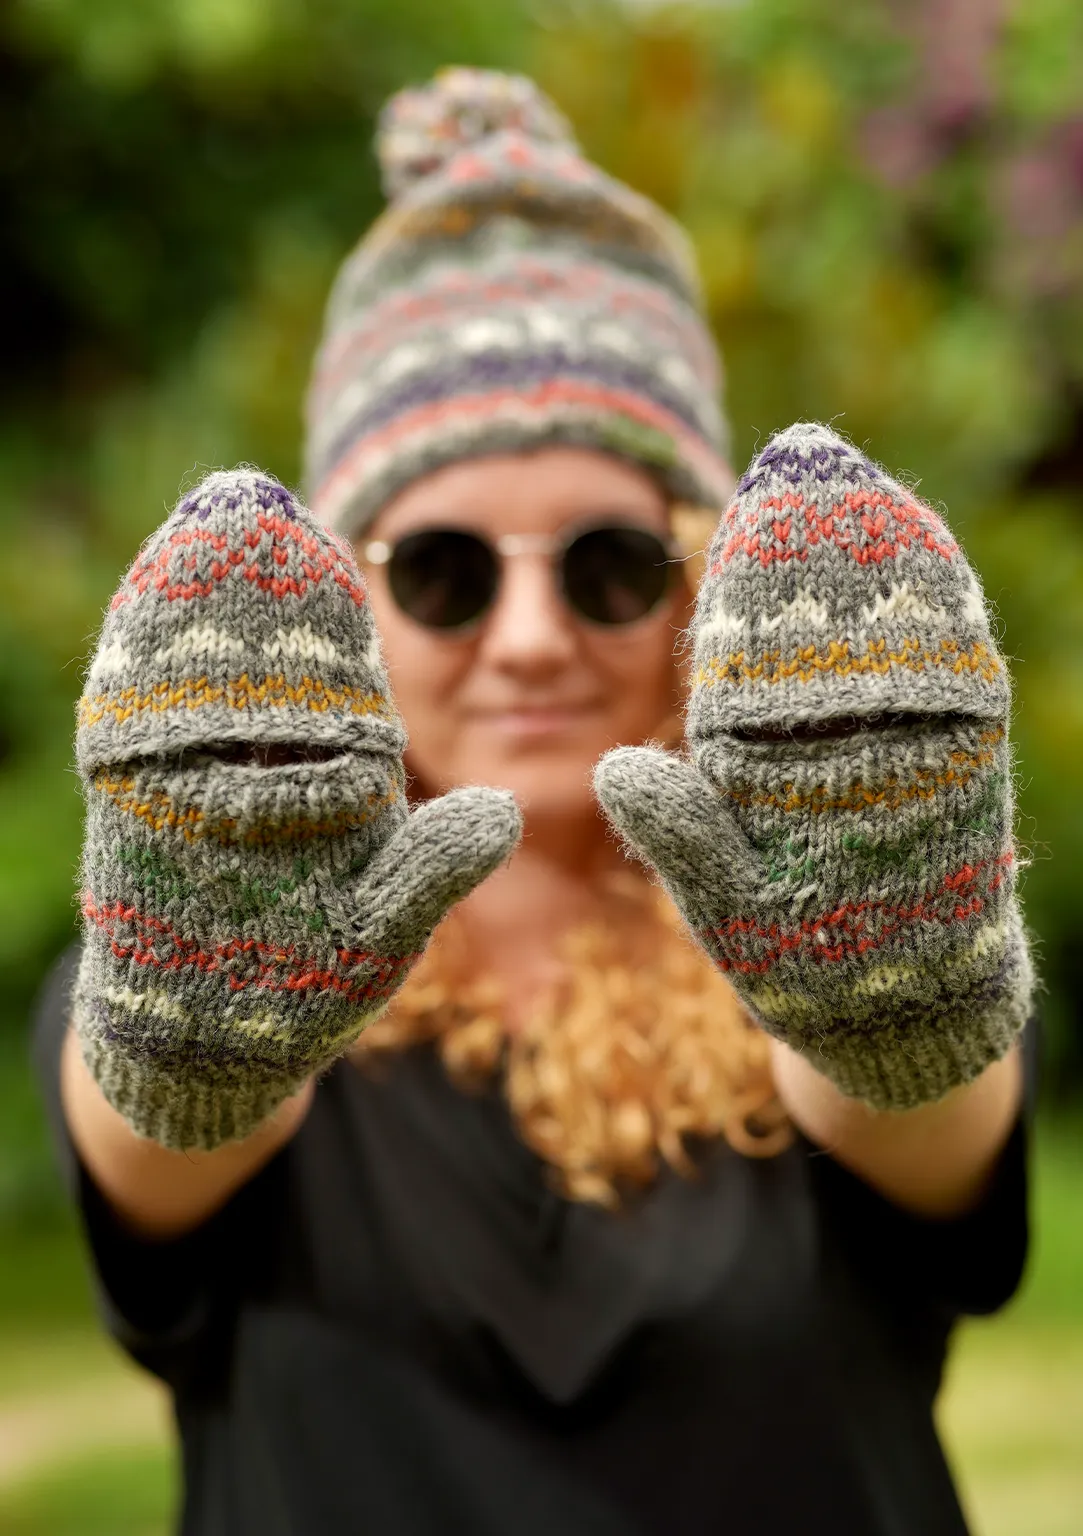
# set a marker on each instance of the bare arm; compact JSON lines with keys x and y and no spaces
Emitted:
{"x":156,"y":1192}
{"x":933,"y":1161}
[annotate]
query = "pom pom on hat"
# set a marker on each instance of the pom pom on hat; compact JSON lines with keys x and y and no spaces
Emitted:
{"x":422,"y":128}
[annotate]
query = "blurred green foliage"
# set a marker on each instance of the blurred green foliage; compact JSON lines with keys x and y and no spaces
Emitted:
{"x":887,"y":200}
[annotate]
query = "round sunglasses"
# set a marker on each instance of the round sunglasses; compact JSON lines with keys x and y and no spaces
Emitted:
{"x":447,"y":578}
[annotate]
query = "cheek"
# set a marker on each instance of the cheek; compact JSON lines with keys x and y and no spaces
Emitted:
{"x":644,"y":677}
{"x":422,"y":673}
{"x":426,"y":677}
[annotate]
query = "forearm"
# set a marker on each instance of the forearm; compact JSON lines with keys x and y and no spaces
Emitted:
{"x":935,"y":1160}
{"x":157,"y":1192}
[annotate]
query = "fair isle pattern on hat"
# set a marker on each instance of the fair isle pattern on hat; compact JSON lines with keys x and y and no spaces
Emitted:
{"x":511,"y":296}
{"x":854,"y":878}
{"x":254,"y":888}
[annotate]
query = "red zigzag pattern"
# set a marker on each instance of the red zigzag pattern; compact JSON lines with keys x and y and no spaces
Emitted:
{"x":316,"y":561}
{"x":267,"y":967}
{"x":910,"y":524}
{"x":843,"y":933}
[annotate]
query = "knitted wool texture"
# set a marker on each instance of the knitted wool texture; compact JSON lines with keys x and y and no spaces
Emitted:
{"x":254,"y":888}
{"x":511,"y":296}
{"x":855,"y":878}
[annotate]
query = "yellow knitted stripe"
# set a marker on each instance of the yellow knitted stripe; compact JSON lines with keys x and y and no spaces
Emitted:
{"x":154,"y":807}
{"x":238,"y":693}
{"x":158,"y":810}
{"x":150,"y":1001}
{"x":773,"y":1002}
{"x":772,"y":668}
{"x":891,"y":796}
{"x":268,"y":1025}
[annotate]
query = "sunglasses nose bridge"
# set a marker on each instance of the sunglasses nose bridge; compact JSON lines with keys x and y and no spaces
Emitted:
{"x":509,"y":545}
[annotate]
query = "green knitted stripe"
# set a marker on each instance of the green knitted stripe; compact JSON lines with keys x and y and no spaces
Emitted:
{"x":156,"y":876}
{"x":909,"y":855}
{"x":161,"y":880}
{"x":250,"y":895}
{"x":634,"y":440}
{"x":988,"y":815}
{"x":790,"y":859}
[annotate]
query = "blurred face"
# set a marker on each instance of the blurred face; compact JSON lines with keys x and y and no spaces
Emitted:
{"x":531,"y":695}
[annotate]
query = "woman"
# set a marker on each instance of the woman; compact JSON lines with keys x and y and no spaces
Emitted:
{"x":553,"y":1245}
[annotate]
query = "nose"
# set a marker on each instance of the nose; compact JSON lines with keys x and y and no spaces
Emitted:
{"x":529,"y":632}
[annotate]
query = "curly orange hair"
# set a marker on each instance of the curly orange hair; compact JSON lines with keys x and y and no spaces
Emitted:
{"x":637,"y":1053}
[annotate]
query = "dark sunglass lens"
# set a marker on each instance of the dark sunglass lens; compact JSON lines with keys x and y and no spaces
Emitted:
{"x":442,"y":578}
{"x":616,"y":575}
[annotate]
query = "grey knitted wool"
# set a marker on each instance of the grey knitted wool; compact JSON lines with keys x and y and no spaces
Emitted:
{"x":841,"y":842}
{"x":254,"y":886}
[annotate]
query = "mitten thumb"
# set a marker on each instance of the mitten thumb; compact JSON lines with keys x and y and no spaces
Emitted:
{"x":445,"y":848}
{"x":674,"y":819}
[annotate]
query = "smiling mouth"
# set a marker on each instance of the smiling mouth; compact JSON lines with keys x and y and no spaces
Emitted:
{"x":532,"y":721}
{"x":536,"y":712}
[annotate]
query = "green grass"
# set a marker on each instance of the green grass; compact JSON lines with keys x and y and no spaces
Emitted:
{"x":1011,"y":1417}
{"x":1012,"y":1410}
{"x":44,"y":1278}
{"x":1053,"y":1288}
{"x":120,"y":1493}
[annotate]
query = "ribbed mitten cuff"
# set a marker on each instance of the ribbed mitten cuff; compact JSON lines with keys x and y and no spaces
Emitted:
{"x":185,"y":1114}
{"x":900,"y":1067}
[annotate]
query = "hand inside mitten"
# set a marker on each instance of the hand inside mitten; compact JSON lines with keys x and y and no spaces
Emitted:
{"x":841,"y":843}
{"x":255,"y":888}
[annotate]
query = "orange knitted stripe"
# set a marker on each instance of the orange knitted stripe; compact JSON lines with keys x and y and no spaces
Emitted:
{"x":808,"y":662}
{"x":891,"y":796}
{"x":159,"y":810}
{"x":238,"y":693}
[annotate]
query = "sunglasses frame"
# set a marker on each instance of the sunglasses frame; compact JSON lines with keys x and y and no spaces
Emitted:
{"x":511,"y":546}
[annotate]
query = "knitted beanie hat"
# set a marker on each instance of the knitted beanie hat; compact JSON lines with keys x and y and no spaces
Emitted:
{"x":872,"y":608}
{"x":232,"y":617}
{"x":512,"y":295}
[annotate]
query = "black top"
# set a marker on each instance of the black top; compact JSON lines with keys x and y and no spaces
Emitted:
{"x":398,"y":1329}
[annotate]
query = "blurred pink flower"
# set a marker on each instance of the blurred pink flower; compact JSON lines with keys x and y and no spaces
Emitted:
{"x":1035,"y":194}
{"x":896,"y":145}
{"x":954,"y":42}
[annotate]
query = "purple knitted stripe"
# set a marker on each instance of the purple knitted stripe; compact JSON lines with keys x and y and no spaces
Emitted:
{"x":915,"y":1013}
{"x":191,"y":1056}
{"x":266,"y":495}
{"x":190,"y":1052}
{"x":822,"y":462}
{"x":494,"y":370}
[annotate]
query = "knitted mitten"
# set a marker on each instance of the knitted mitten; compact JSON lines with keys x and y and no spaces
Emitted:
{"x":842,"y":846}
{"x":254,"y":887}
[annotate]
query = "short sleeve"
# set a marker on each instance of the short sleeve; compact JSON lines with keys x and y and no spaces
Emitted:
{"x":969,"y":1266}
{"x":167,"y":1302}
